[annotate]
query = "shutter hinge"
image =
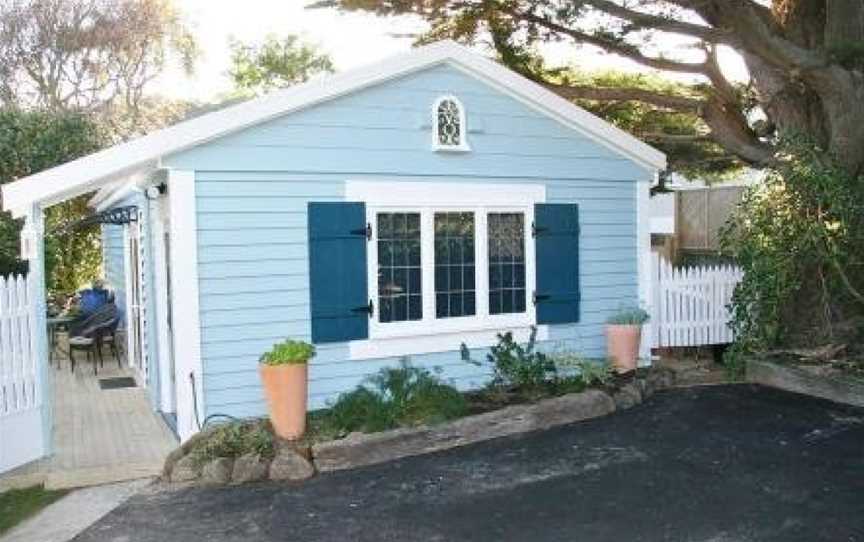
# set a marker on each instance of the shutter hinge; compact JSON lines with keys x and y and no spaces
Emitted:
{"x":537,"y":298}
{"x":535,"y":230}
{"x":365,"y":232}
{"x":369,"y":309}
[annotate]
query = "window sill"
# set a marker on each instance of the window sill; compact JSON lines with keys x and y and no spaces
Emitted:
{"x":459,"y":149}
{"x":417,"y":344}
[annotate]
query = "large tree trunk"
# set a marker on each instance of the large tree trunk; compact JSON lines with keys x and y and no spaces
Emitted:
{"x":827,"y":103}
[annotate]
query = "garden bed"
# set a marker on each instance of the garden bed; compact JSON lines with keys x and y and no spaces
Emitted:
{"x":247,"y":451}
{"x":838,"y":382}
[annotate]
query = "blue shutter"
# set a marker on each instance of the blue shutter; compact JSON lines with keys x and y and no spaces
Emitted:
{"x":337,"y":272}
{"x":556,"y":232}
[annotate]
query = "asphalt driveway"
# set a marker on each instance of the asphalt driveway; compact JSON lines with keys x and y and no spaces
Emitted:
{"x":718,"y":464}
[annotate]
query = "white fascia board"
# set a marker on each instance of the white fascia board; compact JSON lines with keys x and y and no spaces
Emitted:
{"x":95,"y":170}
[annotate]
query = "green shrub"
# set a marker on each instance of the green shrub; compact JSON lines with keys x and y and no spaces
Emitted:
{"x":516,"y":366}
{"x":394,"y":397}
{"x":632,"y":316}
{"x":235,"y":439}
{"x":799,"y":238}
{"x":289,"y":352}
{"x":588,"y":372}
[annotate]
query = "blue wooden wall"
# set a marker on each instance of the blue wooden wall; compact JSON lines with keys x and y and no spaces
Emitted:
{"x":253,"y":188}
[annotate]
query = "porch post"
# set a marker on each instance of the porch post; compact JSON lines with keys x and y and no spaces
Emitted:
{"x":188,"y":368}
{"x":35,"y":228}
{"x":643,"y":264}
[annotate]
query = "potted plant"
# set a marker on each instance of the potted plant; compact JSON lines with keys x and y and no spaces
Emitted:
{"x":284,"y":375}
{"x":623,"y":335}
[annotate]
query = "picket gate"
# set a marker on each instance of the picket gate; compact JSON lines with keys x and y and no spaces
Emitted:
{"x":21,"y":427}
{"x":691,"y":304}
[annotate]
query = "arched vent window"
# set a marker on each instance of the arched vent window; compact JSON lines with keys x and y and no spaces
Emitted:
{"x":449,"y":122}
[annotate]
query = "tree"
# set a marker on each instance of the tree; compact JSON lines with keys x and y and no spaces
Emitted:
{"x":86,"y":55}
{"x":275,"y":63}
{"x":73,"y":75}
{"x":31,"y":142}
{"x":681,"y":135}
{"x":805,"y":57}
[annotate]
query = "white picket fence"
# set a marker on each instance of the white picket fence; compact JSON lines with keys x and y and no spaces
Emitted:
{"x":691,"y":304}
{"x":19,"y":390}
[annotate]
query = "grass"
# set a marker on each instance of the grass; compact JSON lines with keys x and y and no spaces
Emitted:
{"x":16,"y":505}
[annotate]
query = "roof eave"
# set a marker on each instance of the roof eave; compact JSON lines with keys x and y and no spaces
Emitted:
{"x":99,"y":169}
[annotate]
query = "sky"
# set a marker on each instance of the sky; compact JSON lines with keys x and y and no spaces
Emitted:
{"x":351,"y":39}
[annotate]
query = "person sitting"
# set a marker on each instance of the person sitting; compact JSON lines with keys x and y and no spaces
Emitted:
{"x":92,"y":299}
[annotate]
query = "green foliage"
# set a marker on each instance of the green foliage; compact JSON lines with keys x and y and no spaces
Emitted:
{"x":31,"y":142}
{"x":850,"y":54}
{"x":682,"y":135}
{"x":630,"y":316}
{"x":394,"y":397}
{"x":275,"y":63}
{"x":516,"y":366}
{"x":16,"y":505}
{"x":289,"y":352}
{"x":588,"y":372}
{"x":799,"y":237}
{"x":235,"y":439}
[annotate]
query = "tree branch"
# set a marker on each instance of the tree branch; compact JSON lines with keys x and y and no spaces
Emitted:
{"x":665,"y":101}
{"x":665,"y":24}
{"x":610,"y":45}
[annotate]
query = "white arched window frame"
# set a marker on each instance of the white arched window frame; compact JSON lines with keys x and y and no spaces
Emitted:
{"x":446,"y":137}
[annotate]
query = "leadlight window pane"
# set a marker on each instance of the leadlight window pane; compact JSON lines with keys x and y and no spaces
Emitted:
{"x":449,"y":120}
{"x":506,"y":262}
{"x":455,"y":293}
{"x":400,"y":285}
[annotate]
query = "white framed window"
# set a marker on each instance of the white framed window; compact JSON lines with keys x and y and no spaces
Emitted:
{"x":448,"y":259}
{"x":449,"y":132}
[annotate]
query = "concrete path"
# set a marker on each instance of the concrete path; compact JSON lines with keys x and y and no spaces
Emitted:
{"x":62,"y":520}
{"x":706,"y":464}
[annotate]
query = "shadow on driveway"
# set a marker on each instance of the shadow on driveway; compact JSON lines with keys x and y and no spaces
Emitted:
{"x":718,"y":464}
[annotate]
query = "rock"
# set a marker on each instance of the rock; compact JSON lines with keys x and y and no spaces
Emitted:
{"x":627,"y":396}
{"x":289,"y":464}
{"x":376,"y":448}
{"x":182,"y":451}
{"x":217,"y":472}
{"x":170,"y":462}
{"x":838,"y":388}
{"x":186,"y":469}
{"x":654,"y":380}
{"x":249,"y":467}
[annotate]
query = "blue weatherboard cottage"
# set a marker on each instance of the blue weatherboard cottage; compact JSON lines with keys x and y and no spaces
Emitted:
{"x":430,"y":200}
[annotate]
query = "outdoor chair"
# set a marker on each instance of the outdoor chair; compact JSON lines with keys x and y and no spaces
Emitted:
{"x":90,"y":334}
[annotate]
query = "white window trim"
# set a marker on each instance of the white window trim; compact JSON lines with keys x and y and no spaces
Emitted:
{"x":463,"y":129}
{"x":446,"y":334}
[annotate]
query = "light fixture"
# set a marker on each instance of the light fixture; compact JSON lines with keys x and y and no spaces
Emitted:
{"x":153,"y":192}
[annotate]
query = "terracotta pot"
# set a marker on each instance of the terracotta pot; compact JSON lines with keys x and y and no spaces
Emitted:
{"x":622,"y":346}
{"x":286,"y":389}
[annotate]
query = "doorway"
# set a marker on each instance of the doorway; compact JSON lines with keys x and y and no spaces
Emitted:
{"x":135,"y":304}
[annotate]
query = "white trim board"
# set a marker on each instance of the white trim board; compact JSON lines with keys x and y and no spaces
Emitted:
{"x":185,"y":301}
{"x":106,"y":166}
{"x":438,"y":342}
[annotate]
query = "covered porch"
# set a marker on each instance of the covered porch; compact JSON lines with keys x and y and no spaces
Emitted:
{"x":71,"y":429}
{"x":101,"y":434}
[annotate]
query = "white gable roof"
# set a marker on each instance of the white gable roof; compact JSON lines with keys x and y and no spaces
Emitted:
{"x":101,"y":168}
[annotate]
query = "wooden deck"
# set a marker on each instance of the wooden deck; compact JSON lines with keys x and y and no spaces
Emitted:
{"x":100,"y":436}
